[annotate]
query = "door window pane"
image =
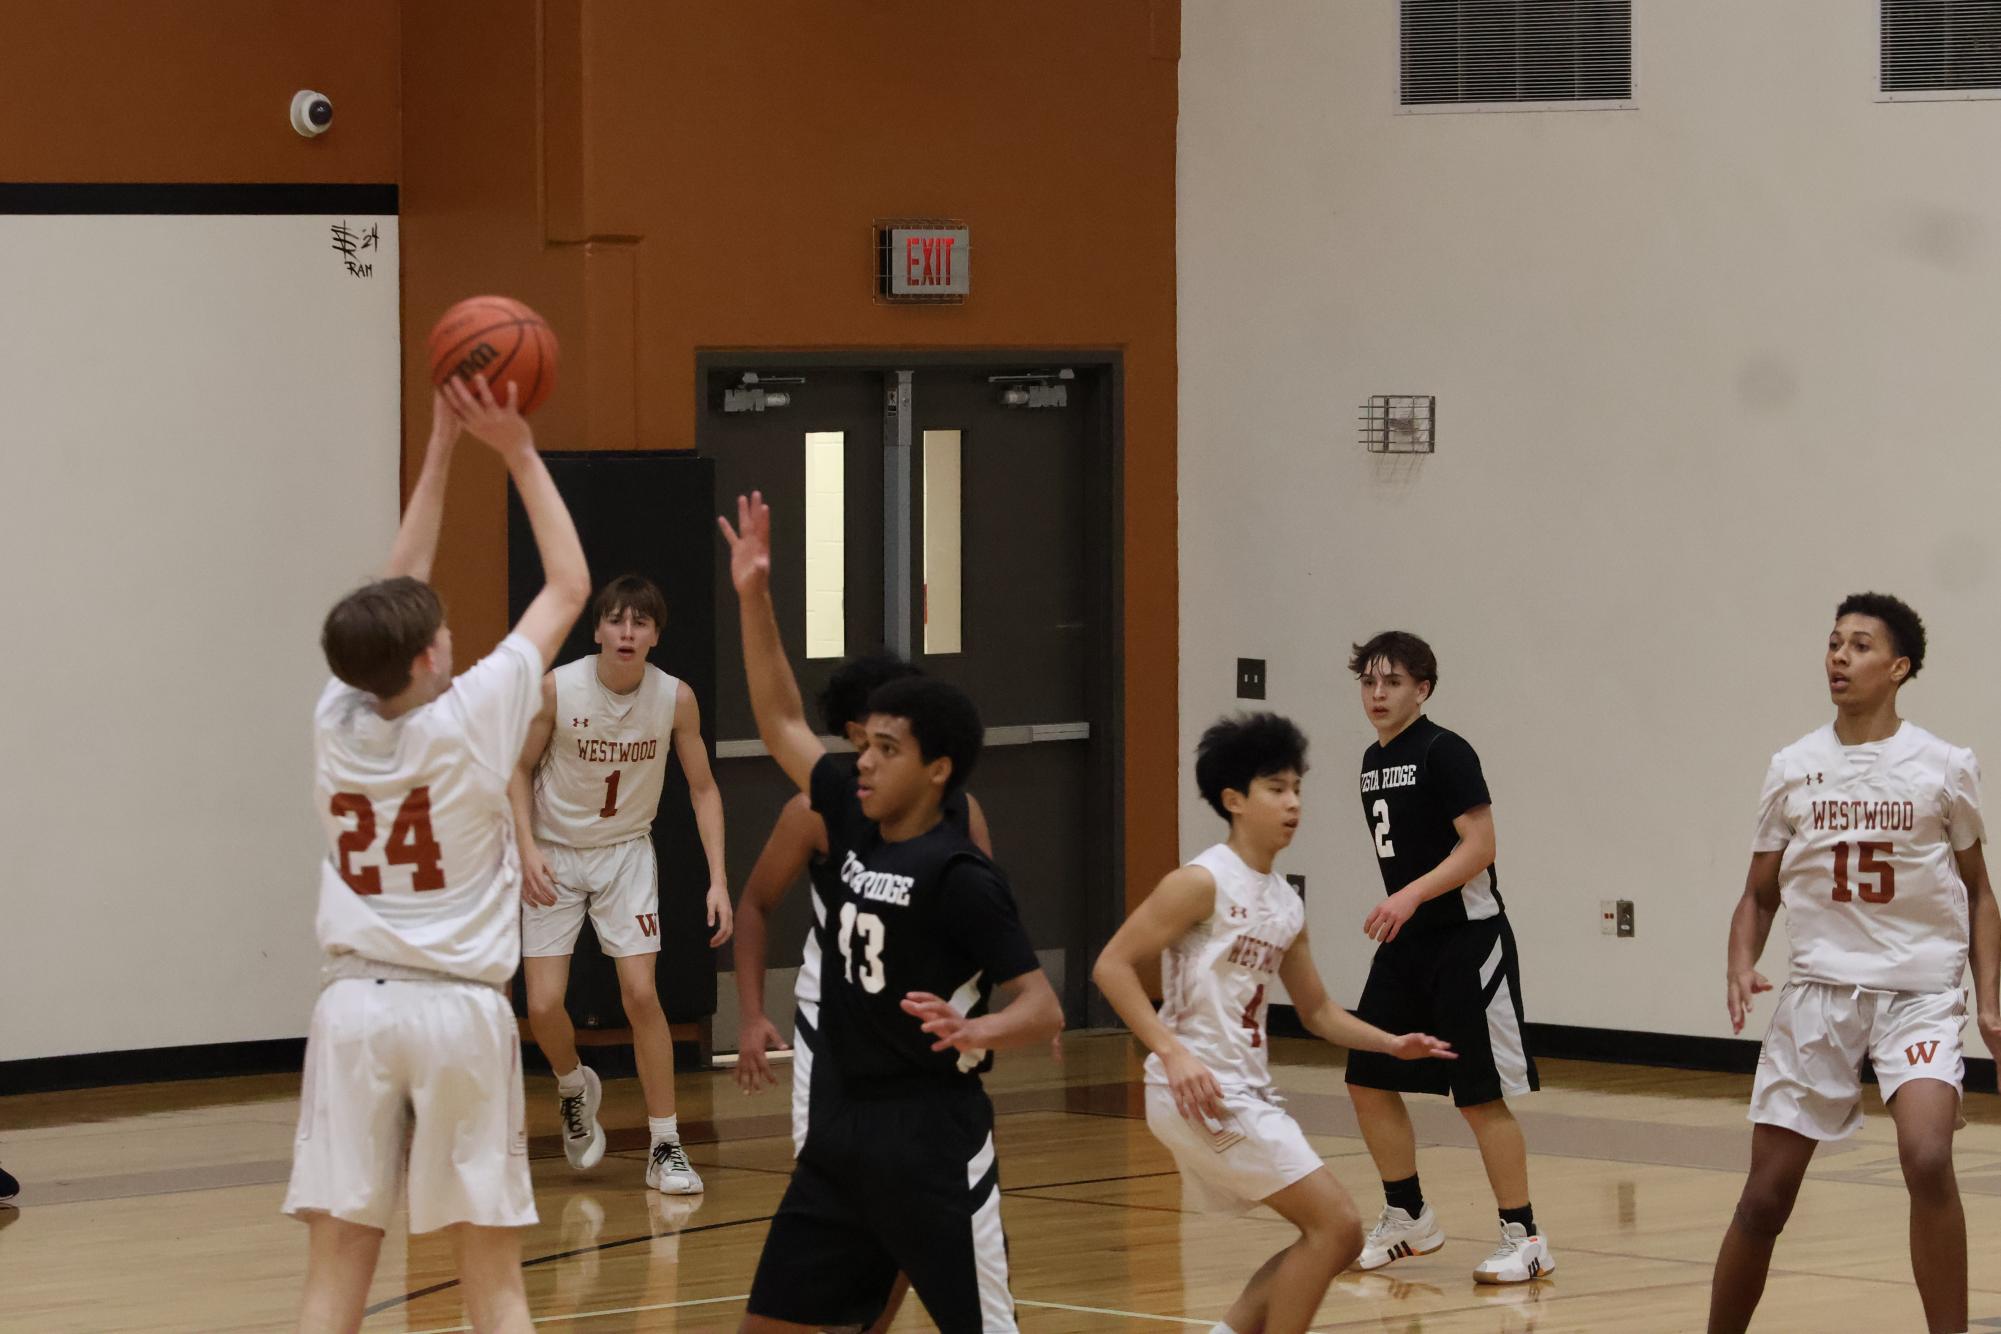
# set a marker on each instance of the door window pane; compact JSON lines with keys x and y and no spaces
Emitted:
{"x":826,"y":551}
{"x":941,"y":542}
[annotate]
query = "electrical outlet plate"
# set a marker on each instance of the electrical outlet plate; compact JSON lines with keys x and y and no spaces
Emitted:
{"x":1298,"y":882}
{"x":1608,"y":918}
{"x":1625,"y":918}
{"x":1250,"y":678}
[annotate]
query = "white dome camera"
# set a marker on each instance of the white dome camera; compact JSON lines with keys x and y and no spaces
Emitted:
{"x":312,"y":113}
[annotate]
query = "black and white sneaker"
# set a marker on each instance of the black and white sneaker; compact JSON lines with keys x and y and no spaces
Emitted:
{"x":1397,"y":1236}
{"x":583,"y":1137}
{"x":670,"y":1172}
{"x":10,"y":1189}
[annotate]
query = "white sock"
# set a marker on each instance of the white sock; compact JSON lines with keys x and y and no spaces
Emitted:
{"x":664,"y":1128}
{"x":571,"y":1083}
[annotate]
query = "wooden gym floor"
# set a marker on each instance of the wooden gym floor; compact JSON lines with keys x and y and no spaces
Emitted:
{"x":155,"y":1208}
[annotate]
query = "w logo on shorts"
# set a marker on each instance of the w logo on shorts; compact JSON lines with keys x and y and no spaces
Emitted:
{"x":649,"y":925}
{"x":1921,"y":1053}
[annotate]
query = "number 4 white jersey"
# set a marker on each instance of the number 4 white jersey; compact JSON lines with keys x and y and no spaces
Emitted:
{"x":1872,"y":892}
{"x":1213,"y":980}
{"x":600,"y":782}
{"x":421,"y":870}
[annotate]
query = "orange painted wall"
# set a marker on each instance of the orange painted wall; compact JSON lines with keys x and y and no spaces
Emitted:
{"x":196,"y":90}
{"x":662,"y":178}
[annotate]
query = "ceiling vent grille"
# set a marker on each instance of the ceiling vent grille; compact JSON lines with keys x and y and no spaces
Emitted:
{"x":1515,"y":52}
{"x":1940,"y":46}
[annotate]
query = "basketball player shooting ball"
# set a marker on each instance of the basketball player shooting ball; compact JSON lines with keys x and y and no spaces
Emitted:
{"x":413,"y":1037}
{"x":1869,"y":833}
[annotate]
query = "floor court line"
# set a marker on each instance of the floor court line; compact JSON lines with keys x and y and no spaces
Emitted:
{"x":594,"y":1315}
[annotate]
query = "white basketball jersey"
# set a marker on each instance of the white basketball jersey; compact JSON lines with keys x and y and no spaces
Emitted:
{"x":1872,"y":893}
{"x":600,"y":782}
{"x":1213,"y":979}
{"x":421,"y":870}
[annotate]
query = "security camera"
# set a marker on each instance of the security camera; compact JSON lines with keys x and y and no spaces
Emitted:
{"x":312,"y":113}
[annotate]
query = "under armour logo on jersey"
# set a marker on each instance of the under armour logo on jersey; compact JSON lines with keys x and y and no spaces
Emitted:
{"x":1237,"y":912}
{"x":1921,"y":1053}
{"x":580,"y":722}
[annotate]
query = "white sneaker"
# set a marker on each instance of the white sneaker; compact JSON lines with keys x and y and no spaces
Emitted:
{"x":1396,"y":1235}
{"x":669,"y":1171}
{"x":1520,"y":1258}
{"x":583,"y":1137}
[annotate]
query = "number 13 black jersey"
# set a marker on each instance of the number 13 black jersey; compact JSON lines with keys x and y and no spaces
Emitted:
{"x":927,"y":914}
{"x":1412,"y":791}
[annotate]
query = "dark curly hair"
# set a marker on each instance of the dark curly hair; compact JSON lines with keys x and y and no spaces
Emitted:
{"x":1906,"y":627}
{"x":1235,"y":752}
{"x":1399,"y":648}
{"x":845,"y":699}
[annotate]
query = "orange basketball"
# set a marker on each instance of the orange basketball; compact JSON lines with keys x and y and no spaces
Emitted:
{"x":498,"y":337}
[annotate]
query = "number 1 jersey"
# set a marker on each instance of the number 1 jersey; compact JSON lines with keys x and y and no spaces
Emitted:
{"x":421,"y":871}
{"x":928,"y":914}
{"x":1871,"y":889}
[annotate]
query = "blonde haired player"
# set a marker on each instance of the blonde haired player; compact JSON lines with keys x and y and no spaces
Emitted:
{"x":1869,"y":833}
{"x":413,"y":1034}
{"x":585,"y":796}
{"x":1225,"y":927}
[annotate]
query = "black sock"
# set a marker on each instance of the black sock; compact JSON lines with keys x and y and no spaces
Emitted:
{"x":1524,"y":1215}
{"x":1405,"y":1195}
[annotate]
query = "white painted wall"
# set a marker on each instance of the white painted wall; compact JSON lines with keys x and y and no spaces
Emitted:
{"x":198,"y":455}
{"x":1703,"y":367}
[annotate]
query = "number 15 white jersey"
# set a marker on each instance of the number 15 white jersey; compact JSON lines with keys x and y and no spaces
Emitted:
{"x":421,"y":870}
{"x":1872,"y":892}
{"x":1213,"y":979}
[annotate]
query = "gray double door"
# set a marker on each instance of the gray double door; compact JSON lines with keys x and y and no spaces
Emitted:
{"x":915,"y":509}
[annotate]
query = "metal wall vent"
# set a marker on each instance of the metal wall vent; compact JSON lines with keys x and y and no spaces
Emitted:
{"x":1939,"y":46}
{"x":1502,"y":52}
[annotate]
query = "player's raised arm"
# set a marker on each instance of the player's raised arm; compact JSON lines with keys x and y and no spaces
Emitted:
{"x":566,"y":578}
{"x":537,"y":885}
{"x":1182,"y":901}
{"x":1324,"y":1019}
{"x":794,"y":839}
{"x":1750,"y":926}
{"x":416,"y":542}
{"x":707,"y":800}
{"x":976,"y":825}
{"x":774,"y":691}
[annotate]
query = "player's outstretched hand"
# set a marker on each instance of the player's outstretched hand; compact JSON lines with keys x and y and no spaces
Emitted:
{"x":721,"y":922}
{"x":753,"y":1067}
{"x":1196,"y":1092}
{"x":943,"y":1022}
{"x":1742,"y":987}
{"x":1421,"y":1047}
{"x":537,"y":885}
{"x":750,"y":544}
{"x":445,"y":423}
{"x":500,"y":425}
{"x":1388,"y":918}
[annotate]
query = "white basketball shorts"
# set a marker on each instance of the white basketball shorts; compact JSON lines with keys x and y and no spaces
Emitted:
{"x":438,"y":1063}
{"x":1255,"y":1152}
{"x":617,"y":885}
{"x":1810,"y":1068}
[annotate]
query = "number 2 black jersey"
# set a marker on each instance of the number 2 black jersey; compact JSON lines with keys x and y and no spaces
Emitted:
{"x":927,"y":914}
{"x":1412,"y":791}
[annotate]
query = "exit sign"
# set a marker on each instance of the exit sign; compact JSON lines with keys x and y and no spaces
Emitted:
{"x":924,"y":262}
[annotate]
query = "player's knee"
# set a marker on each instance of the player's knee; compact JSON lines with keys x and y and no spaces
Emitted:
{"x":1927,"y":1168}
{"x":1762,"y":1211}
{"x":1486,"y":1113}
{"x":544,"y":1006}
{"x":641,"y":1001}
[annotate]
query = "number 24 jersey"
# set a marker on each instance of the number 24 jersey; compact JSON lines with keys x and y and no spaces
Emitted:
{"x":1871,"y":889}
{"x":927,"y":914}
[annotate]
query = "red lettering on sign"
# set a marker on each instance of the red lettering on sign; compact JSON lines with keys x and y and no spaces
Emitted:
{"x":913,"y":252}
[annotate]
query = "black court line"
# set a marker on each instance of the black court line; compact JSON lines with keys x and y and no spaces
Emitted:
{"x":390,"y":1303}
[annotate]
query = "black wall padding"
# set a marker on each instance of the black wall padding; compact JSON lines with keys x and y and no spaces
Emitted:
{"x":652,"y":514}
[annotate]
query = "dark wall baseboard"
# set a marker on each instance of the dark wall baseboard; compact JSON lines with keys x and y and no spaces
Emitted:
{"x":1618,"y":1046}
